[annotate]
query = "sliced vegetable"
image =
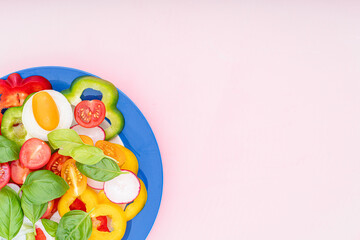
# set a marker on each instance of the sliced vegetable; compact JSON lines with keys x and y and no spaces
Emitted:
{"x":49,"y":210}
{"x":11,"y":214}
{"x":122,"y":189}
{"x":43,"y":186}
{"x":88,"y":197}
{"x":4,"y":174}
{"x":12,"y":127}
{"x":102,"y":171}
{"x":74,"y":225}
{"x":56,"y":162}
{"x":101,"y":223}
{"x":19,"y":172}
{"x":35,"y":153}
{"x":14,"y":90}
{"x":95,"y":184}
{"x":9,"y":150}
{"x":40,"y":235}
{"x":118,"y":222}
{"x":112,"y":150}
{"x":86,"y":140}
{"x":74,"y":178}
{"x":132,"y":209}
{"x":131,"y":163}
{"x":78,"y":205}
{"x":110,"y":98}
{"x":95,"y":133}
{"x":90,"y":114}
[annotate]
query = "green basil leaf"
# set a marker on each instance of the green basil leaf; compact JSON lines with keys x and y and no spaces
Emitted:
{"x":70,"y":144}
{"x":65,"y":140}
{"x":74,"y":225}
{"x":50,"y":226}
{"x":11,"y":215}
{"x":87,"y":154}
{"x":33,"y":211}
{"x":9,"y":150}
{"x":103,"y":171}
{"x":43,"y":186}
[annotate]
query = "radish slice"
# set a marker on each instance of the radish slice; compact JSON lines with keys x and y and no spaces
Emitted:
{"x":14,"y":187}
{"x":95,"y":184}
{"x":122,"y":189}
{"x":56,"y":217}
{"x":95,"y":133}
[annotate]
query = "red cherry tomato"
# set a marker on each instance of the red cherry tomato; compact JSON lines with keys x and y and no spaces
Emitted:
{"x":56,"y":162}
{"x":4,"y":174}
{"x":34,"y":153}
{"x":40,"y":235}
{"x":49,"y":210}
{"x":19,"y":172}
{"x":90,"y":113}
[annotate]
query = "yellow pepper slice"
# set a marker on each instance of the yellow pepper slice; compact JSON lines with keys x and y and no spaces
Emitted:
{"x":138,"y":204}
{"x":118,"y":222}
{"x":88,"y":197}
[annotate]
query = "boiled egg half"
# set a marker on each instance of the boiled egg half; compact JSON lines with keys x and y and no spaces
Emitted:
{"x":46,"y":111}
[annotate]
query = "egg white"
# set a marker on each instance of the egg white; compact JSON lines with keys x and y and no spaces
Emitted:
{"x":65,"y":113}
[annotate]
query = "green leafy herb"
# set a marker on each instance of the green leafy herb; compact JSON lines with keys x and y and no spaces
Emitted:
{"x":103,"y":171}
{"x":70,"y":144}
{"x":33,"y":211}
{"x":43,"y":186}
{"x":50,"y":226}
{"x":74,"y":225}
{"x":9,"y":150}
{"x":11,"y":215}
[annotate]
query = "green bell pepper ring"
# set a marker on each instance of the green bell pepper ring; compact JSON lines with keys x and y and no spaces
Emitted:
{"x":11,"y":124}
{"x":12,"y":127}
{"x":110,"y":97}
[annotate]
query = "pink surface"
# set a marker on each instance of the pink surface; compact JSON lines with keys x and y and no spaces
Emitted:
{"x":256,"y":106}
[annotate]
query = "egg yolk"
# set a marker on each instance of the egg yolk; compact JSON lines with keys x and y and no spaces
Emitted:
{"x":45,"y":111}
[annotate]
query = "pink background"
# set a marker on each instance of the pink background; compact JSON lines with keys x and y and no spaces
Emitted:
{"x":255,"y":105}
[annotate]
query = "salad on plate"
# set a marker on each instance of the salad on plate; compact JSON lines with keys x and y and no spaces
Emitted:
{"x":64,"y":171}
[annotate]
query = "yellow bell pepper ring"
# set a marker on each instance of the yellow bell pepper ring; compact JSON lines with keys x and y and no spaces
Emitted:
{"x":138,"y":204}
{"x":118,"y":222}
{"x":88,"y":197}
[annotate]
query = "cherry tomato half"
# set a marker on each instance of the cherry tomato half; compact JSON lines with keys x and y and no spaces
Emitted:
{"x":76,"y":180}
{"x":34,"y":153}
{"x":56,"y":162}
{"x":90,"y":113}
{"x":49,"y":210}
{"x":112,"y":150}
{"x":4,"y":174}
{"x":19,"y":172}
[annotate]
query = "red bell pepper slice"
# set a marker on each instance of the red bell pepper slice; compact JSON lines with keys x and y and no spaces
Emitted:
{"x":14,"y":90}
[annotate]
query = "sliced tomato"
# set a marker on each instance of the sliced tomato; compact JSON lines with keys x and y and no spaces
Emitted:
{"x":40,"y":235}
{"x":4,"y":174}
{"x":49,"y":210}
{"x":90,"y":113}
{"x":78,"y":205}
{"x":56,"y":162}
{"x":19,"y":172}
{"x":75,"y":179}
{"x":34,"y":153}
{"x":112,"y":150}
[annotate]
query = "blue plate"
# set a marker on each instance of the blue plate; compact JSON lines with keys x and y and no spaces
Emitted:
{"x":137,"y":136}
